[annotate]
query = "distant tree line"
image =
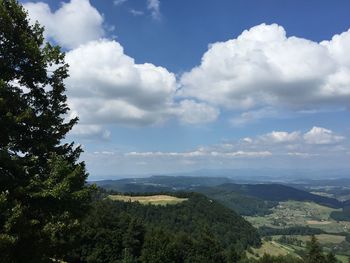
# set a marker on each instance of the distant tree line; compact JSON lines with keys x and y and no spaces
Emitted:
{"x":343,"y":215}
{"x":295,"y":230}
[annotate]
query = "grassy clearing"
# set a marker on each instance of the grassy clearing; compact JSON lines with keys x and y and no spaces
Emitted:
{"x":153,"y":199}
{"x":335,"y":226}
{"x":315,"y":222}
{"x":323,"y":194}
{"x":324,"y":239}
{"x":273,"y":248}
{"x":343,"y":259}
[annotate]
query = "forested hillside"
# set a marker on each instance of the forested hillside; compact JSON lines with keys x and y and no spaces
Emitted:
{"x":278,"y":192}
{"x":197,"y":230}
{"x":243,"y":204}
{"x":343,"y":215}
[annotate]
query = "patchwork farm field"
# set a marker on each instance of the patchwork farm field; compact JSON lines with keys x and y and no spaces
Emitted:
{"x":295,"y":213}
{"x":276,"y":247}
{"x":152,"y":199}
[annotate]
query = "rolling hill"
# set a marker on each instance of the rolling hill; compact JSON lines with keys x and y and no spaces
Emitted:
{"x":246,"y":199}
{"x":278,"y":192}
{"x":195,"y":230}
{"x":160,"y":183}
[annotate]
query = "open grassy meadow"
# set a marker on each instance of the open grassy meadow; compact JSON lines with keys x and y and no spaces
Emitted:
{"x":152,"y":199}
{"x":273,"y":248}
{"x":324,"y":239}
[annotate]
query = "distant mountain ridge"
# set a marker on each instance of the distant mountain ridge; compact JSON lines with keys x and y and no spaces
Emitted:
{"x":161,"y":183}
{"x":244,"y":198}
{"x":252,"y":175}
{"x":279,"y":192}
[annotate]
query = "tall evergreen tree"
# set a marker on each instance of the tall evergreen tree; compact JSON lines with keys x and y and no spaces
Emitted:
{"x":208,"y":248}
{"x":314,"y":252}
{"x":42,"y":183}
{"x":133,"y":238}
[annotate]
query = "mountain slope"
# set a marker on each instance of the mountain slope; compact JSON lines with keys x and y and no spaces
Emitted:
{"x":193,"y":216}
{"x":278,"y":192}
{"x":196,"y":230}
{"x":241,"y":203}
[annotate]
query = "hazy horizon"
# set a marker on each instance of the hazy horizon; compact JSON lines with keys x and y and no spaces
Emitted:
{"x":258,"y":174}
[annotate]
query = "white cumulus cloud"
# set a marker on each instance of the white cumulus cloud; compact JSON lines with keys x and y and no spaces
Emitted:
{"x":74,"y":23}
{"x":319,"y":135}
{"x":192,"y":112}
{"x":281,"y":137}
{"x":107,"y":86}
{"x":263,"y":67}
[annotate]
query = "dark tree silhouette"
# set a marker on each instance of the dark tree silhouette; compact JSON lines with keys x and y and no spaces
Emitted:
{"x":42,"y":183}
{"x":314,"y":252}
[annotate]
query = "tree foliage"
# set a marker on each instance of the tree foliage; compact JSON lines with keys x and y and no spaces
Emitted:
{"x":197,"y":230}
{"x":42,"y":183}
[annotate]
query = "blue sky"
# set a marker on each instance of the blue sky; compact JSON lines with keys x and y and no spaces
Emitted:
{"x":166,"y":86}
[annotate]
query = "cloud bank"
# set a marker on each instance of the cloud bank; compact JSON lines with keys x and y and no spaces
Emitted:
{"x":275,"y":143}
{"x":297,"y":149}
